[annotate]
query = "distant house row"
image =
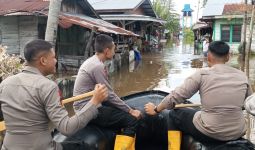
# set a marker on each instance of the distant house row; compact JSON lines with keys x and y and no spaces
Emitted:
{"x":224,"y":21}
{"x":22,"y":21}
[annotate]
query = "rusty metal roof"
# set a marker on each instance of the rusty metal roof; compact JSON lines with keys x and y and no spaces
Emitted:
{"x":236,"y":9}
{"x":216,"y":7}
{"x":32,"y":7}
{"x":67,"y":20}
{"x":37,"y":7}
{"x":29,"y":6}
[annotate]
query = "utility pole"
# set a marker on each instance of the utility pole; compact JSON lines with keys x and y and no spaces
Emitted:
{"x":243,"y":41}
{"x":52,"y":21}
{"x":198,"y":7}
{"x":247,"y":65}
{"x":248,"y":47}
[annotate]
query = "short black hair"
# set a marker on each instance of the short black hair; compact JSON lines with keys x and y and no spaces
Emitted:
{"x":102,"y":42}
{"x":33,"y":48}
{"x":219,"y":48}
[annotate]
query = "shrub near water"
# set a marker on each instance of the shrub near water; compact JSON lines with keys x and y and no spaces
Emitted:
{"x":188,"y":36}
{"x":9,"y":64}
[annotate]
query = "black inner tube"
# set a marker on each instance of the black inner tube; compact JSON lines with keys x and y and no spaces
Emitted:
{"x":151,"y":134}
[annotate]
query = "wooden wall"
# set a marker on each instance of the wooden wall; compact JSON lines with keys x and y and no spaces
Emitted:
{"x":71,"y":45}
{"x":138,"y":11}
{"x":9,"y":30}
{"x":71,"y":6}
{"x":28,"y":31}
{"x":16,"y":31}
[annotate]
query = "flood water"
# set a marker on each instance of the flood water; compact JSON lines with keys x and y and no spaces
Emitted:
{"x":161,"y":70}
{"x":164,"y":70}
{"x":167,"y":69}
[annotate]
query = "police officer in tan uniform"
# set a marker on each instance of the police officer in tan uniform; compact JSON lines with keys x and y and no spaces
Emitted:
{"x":30,"y":101}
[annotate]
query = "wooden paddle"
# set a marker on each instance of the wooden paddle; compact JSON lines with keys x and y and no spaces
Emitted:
{"x":187,"y":105}
{"x":65,"y":101}
{"x":77,"y":98}
{"x":89,"y":94}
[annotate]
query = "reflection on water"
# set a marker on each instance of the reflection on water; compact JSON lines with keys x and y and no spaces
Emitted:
{"x":158,"y":70}
{"x":165,"y":70}
{"x":162,"y":70}
{"x":139,"y":76}
{"x":236,"y":61}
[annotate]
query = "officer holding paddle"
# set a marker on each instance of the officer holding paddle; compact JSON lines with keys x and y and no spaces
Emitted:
{"x":30,"y":101}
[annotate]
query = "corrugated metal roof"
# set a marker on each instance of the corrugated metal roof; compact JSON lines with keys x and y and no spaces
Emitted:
{"x":215,"y":7}
{"x":67,"y":19}
{"x":31,"y":6}
{"x":236,"y":9}
{"x":114,"y":4}
{"x":200,"y":25}
{"x":132,"y":17}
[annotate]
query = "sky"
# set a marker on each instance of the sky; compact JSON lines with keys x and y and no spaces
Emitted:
{"x":179,"y":5}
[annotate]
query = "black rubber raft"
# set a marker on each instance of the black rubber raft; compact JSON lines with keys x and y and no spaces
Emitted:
{"x":151,"y":134}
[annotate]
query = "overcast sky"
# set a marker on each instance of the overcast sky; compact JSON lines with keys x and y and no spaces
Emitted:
{"x":179,"y":5}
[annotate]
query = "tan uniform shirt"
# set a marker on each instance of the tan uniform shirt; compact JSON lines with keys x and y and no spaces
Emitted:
{"x":92,"y":72}
{"x":29,"y":101}
{"x":223,"y":90}
{"x":250,"y":104}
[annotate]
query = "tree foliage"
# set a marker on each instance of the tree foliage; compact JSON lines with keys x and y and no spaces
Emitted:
{"x":204,"y":2}
{"x":164,"y":9}
{"x":188,"y":36}
{"x":9,"y":64}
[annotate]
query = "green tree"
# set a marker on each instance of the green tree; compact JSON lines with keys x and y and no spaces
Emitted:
{"x":165,"y":10}
{"x":188,"y":36}
{"x":204,"y":2}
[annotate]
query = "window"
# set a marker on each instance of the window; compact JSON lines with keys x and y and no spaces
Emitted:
{"x":237,"y":29}
{"x":231,"y":33}
{"x":41,"y":31}
{"x":189,"y":13}
{"x":225,"y":33}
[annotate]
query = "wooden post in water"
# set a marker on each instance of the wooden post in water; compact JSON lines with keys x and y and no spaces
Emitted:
{"x":247,"y":66}
{"x":89,"y":50}
{"x":243,"y":40}
{"x":248,"y":47}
